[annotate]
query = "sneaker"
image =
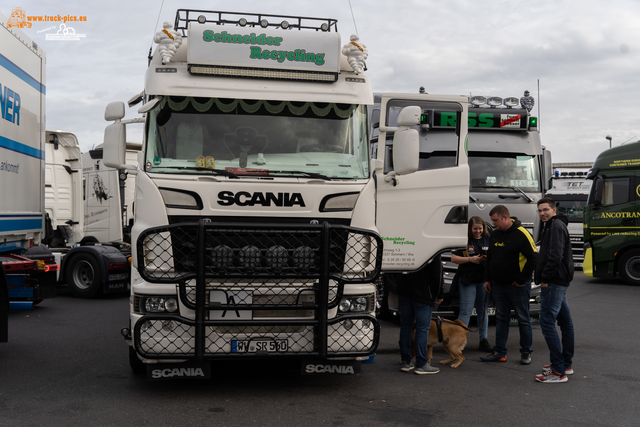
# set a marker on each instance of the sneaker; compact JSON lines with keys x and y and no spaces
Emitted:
{"x":525,"y":358}
{"x":406,"y":366}
{"x":493,"y":357}
{"x":485,"y":346}
{"x":426,"y":369}
{"x":551,"y":377}
{"x":547,"y":369}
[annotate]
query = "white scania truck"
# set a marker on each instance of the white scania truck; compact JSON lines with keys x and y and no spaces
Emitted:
{"x":259,"y":213}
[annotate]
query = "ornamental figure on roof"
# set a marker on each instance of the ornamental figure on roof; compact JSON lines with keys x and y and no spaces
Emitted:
{"x":168,"y":42}
{"x":356,"y":54}
{"x":527,"y":101}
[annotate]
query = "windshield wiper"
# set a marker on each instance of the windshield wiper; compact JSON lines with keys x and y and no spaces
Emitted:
{"x":309,"y":174}
{"x":201,"y":169}
{"x":513,"y":187}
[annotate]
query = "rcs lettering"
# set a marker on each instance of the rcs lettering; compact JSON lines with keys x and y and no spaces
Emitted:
{"x":482,"y":120}
{"x":10,"y":105}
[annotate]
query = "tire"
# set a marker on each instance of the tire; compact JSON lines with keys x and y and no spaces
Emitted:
{"x":84,"y":276}
{"x":629,"y":267}
{"x":135,"y":363}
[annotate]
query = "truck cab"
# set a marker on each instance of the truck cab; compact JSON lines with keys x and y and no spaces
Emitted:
{"x":259,"y":213}
{"x":612,"y":215}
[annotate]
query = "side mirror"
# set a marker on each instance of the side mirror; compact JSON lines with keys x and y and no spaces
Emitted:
{"x":406,"y":142}
{"x":114,"y":149}
{"x":596,"y":192}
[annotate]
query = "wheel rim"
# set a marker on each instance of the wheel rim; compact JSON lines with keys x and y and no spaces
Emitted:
{"x":83,"y":274}
{"x":632,"y":268}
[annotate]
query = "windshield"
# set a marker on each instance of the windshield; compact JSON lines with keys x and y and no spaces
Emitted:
{"x":245,"y":137}
{"x":573,"y":209}
{"x":493,"y":172}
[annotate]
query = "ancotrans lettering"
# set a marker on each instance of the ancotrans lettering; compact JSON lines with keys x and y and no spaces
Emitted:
{"x":256,"y":52}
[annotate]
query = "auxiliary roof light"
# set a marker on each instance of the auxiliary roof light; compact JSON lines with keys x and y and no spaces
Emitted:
{"x":242,"y":22}
{"x":324,"y":27}
{"x":202,"y":19}
{"x":478,"y":100}
{"x":511,"y":102}
{"x":494,"y":101}
{"x":284,"y":25}
{"x":264,"y":23}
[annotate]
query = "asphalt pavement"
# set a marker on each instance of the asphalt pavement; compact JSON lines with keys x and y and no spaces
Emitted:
{"x":67,"y":364}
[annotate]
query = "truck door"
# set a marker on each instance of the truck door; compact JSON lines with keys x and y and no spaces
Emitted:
{"x":422,"y":213}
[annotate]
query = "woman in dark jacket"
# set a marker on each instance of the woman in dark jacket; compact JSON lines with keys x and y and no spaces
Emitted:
{"x":471,"y":273}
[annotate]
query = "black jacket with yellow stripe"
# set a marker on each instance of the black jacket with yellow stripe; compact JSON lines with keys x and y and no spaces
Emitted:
{"x":511,"y":257}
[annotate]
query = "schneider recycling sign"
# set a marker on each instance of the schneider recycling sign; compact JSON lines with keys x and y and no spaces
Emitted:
{"x":251,"y":47}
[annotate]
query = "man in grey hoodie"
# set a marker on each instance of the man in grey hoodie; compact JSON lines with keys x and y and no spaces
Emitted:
{"x":554,"y":272}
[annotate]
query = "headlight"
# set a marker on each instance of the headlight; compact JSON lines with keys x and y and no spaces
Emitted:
{"x":356,"y":304}
{"x":159,"y":304}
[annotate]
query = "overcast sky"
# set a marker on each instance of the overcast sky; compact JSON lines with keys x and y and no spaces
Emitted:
{"x":585,"y":54}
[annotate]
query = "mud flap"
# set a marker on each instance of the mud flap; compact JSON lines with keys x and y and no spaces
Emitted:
{"x":168,"y":371}
{"x":323,"y":366}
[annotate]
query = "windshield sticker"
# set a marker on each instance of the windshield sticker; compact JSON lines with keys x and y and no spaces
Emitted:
{"x":523,"y":183}
{"x":247,"y":171}
{"x":157,"y":161}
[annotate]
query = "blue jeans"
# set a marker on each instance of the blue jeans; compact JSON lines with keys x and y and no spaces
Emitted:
{"x":506,"y":297}
{"x":554,"y":307}
{"x":470,"y":295}
{"x":411,"y":313}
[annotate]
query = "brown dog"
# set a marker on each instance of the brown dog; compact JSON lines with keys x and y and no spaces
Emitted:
{"x":454,"y":339}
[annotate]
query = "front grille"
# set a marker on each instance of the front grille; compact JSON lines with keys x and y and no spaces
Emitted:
{"x":250,"y":283}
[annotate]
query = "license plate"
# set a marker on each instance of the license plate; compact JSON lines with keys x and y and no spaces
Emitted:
{"x":253,"y":346}
{"x":577,"y":264}
{"x":117,"y":277}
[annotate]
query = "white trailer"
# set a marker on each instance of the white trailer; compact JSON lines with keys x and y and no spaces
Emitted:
{"x":258,"y":210}
{"x":22,"y":125}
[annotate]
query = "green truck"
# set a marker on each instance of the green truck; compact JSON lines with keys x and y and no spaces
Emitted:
{"x":612,"y":215}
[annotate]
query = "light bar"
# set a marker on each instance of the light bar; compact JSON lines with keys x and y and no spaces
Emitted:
{"x":478,"y":100}
{"x":511,"y":102}
{"x":494,"y":101}
{"x":293,"y":75}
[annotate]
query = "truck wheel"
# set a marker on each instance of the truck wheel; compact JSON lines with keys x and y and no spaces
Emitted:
{"x":629,"y":267}
{"x":136,"y":364}
{"x":84,"y":277}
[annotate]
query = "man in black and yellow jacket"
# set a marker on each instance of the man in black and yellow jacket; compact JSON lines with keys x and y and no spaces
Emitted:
{"x":511,"y":260}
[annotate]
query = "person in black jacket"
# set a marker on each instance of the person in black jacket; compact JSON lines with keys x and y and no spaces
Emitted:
{"x":511,"y":260}
{"x":471,"y":278}
{"x":417,"y":293}
{"x":554,"y":272}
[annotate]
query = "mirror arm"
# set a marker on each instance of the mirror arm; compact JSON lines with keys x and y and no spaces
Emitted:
{"x":392,"y":177}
